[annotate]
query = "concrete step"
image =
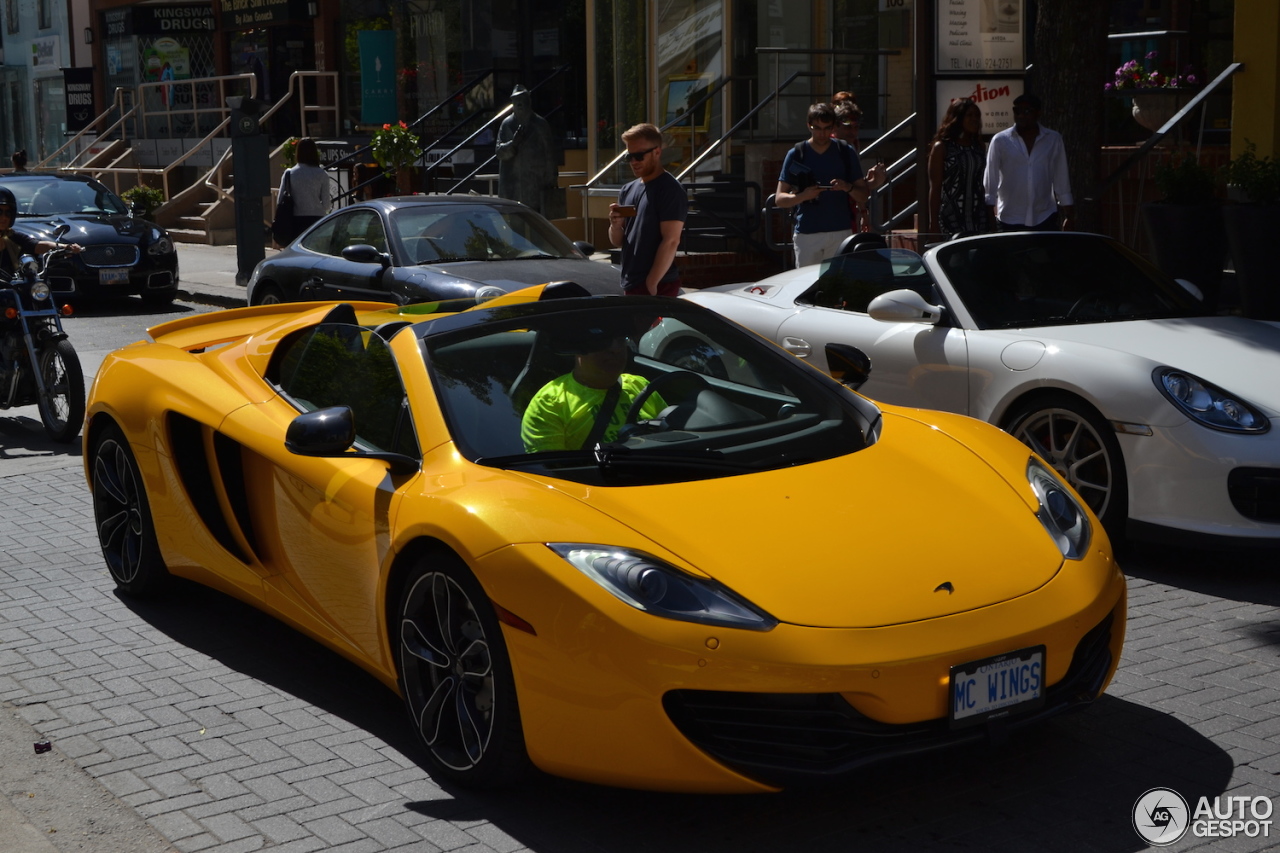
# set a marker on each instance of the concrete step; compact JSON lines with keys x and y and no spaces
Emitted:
{"x":189,"y":235}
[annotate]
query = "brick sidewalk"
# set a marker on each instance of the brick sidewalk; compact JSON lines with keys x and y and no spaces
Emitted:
{"x":222,"y":730}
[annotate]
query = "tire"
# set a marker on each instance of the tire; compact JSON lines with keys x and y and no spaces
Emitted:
{"x":268,"y":294}
{"x":1081,"y":446}
{"x":455,"y":676}
{"x":122,"y":516}
{"x":62,"y":403}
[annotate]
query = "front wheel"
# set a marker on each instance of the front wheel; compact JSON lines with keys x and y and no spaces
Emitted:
{"x":456,"y":678}
{"x":1081,"y":446}
{"x":268,"y":294}
{"x":61,"y":399}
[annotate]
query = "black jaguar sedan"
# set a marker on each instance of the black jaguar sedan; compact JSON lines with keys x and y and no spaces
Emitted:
{"x":123,"y":255}
{"x":424,"y":248}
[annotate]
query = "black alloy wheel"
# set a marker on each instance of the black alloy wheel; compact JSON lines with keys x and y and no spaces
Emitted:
{"x":122,"y":516}
{"x":456,"y":678}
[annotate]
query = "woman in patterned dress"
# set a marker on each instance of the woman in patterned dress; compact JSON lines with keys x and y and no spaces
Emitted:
{"x":957,"y":199}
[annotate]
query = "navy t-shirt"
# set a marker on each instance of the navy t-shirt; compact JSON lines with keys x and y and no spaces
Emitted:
{"x":660,"y":200}
{"x":829,"y":211}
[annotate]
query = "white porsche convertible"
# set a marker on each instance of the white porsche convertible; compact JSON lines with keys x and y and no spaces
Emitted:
{"x":1162,"y":417}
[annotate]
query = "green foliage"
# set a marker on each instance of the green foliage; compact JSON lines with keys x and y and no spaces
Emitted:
{"x":1185,"y":181}
{"x":144,"y":198}
{"x":395,"y":146}
{"x":289,"y":152}
{"x":1257,"y":177}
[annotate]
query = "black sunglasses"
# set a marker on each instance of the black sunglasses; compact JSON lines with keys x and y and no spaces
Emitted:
{"x":7,"y":211}
{"x":637,"y":156}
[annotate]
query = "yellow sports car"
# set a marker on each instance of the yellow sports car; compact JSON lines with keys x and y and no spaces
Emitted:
{"x":621,"y":540}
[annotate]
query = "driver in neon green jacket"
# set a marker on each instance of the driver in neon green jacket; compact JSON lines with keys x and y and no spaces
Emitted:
{"x":563,"y":412}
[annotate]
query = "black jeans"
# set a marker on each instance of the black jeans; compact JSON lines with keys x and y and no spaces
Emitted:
{"x":1053,"y":223}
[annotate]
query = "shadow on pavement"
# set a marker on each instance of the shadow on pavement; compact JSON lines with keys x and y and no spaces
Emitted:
{"x":1236,"y":574}
{"x":125,"y":306}
{"x":1069,"y":785}
{"x":22,"y":436}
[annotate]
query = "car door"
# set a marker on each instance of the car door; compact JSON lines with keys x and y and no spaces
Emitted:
{"x":912,"y":364}
{"x":345,"y":279}
{"x":334,"y":516}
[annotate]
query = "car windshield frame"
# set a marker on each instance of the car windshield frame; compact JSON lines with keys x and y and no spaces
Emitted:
{"x":747,"y":407}
{"x":1032,"y":279}
{"x":54,"y":195}
{"x":428,"y":234}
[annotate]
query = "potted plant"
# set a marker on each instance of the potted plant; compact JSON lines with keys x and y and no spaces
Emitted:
{"x":1157,"y":95}
{"x":289,"y":152}
{"x":1185,"y":227}
{"x":396,"y":147}
{"x":1252,"y":223}
{"x":143,"y":200}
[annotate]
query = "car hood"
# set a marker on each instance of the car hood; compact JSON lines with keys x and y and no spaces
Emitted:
{"x":1239,"y":355}
{"x":87,"y":227}
{"x":912,"y":513}
{"x":595,"y":276}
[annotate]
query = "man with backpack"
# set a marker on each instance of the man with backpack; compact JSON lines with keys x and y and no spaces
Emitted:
{"x":818,"y":177}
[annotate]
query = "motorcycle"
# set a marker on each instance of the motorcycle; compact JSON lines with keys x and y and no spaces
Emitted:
{"x":37,"y":363}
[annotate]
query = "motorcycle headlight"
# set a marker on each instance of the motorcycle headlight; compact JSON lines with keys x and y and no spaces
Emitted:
{"x":650,"y":585}
{"x":1060,"y":513}
{"x":161,"y":243}
{"x":39,"y":291}
{"x":1208,"y":404}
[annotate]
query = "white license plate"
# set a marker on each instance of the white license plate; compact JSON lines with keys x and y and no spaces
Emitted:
{"x":997,"y":686}
{"x":113,"y":276}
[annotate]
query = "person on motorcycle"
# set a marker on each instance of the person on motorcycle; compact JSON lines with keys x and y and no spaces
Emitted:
{"x":14,"y":245}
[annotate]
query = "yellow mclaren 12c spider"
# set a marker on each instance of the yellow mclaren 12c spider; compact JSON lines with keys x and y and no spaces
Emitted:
{"x":618,"y":539}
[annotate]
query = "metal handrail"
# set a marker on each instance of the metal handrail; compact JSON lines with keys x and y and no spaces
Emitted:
{"x":117,"y":104}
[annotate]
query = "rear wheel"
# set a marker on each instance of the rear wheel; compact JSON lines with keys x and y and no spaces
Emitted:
{"x":122,"y":516}
{"x":268,"y":294}
{"x":456,"y":676}
{"x":1081,"y":446}
{"x":61,"y":402}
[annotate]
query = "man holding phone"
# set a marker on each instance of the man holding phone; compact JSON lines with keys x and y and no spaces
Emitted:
{"x":818,"y":176}
{"x":648,"y":218}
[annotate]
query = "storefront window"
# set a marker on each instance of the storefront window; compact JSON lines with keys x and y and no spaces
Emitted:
{"x":52,"y":118}
{"x":690,"y":62}
{"x":621,"y":61}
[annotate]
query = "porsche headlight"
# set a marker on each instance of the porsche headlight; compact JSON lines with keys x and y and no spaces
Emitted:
{"x":1060,"y":513}
{"x":161,"y":244}
{"x":650,"y":585}
{"x":489,"y":291}
{"x":1208,"y":404}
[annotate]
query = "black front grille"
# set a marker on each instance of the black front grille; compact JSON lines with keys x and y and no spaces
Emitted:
{"x":1255,"y":492}
{"x":787,"y":739}
{"x":114,"y":255}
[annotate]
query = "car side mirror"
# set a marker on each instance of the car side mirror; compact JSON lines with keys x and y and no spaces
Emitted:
{"x":584,"y":247}
{"x":904,"y":306}
{"x":1191,"y":288}
{"x":329,"y":433}
{"x":848,"y":365}
{"x":363,"y":253}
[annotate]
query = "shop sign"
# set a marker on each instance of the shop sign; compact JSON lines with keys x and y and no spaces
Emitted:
{"x":242,"y":14}
{"x":45,"y":52}
{"x":994,"y":97}
{"x":172,"y":20}
{"x":980,"y":36}
{"x":377,"y":76}
{"x":81,"y":109}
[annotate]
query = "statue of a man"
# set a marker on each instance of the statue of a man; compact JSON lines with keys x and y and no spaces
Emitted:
{"x":527,"y":156}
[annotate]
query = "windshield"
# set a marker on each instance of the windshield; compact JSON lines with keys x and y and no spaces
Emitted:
{"x":477,"y":232}
{"x":52,"y":195}
{"x":1025,"y":280}
{"x":636,"y":391}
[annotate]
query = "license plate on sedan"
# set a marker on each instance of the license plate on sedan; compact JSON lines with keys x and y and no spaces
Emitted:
{"x":997,"y":686}
{"x":113,"y":276}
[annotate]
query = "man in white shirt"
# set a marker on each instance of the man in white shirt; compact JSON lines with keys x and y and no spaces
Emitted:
{"x":1027,"y":184}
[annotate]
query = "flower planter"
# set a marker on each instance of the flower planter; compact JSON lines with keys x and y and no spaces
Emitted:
{"x":1251,"y":230}
{"x":1153,"y":107}
{"x":1188,"y":241}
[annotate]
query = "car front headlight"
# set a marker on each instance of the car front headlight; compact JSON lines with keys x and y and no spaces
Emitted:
{"x":489,"y":291}
{"x":1208,"y":404}
{"x":1060,"y":513}
{"x":650,"y":585}
{"x":161,"y":243}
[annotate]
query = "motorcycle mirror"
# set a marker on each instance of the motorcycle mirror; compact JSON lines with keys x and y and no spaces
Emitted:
{"x":59,"y":231}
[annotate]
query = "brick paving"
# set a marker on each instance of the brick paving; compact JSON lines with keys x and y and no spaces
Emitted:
{"x":225,"y":731}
